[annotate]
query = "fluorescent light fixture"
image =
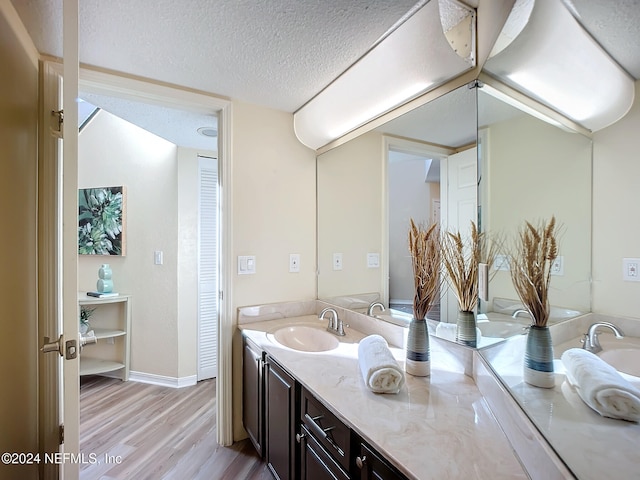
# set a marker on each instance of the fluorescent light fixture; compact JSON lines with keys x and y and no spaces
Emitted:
{"x":433,"y":46}
{"x":519,"y":101}
{"x":552,"y":59}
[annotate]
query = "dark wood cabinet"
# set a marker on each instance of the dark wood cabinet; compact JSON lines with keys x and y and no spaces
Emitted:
{"x":315,"y":462}
{"x":326,"y":428}
{"x":253,"y":394}
{"x":298,"y":436}
{"x":372,"y":466}
{"x":281,"y":412}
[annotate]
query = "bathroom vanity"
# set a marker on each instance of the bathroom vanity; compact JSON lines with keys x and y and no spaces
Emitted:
{"x":313,"y":407}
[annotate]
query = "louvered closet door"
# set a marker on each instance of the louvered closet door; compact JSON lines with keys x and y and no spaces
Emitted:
{"x":208,"y":269}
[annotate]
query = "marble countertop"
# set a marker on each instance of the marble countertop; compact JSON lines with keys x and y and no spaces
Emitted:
{"x":436,"y":427}
{"x":592,"y":446}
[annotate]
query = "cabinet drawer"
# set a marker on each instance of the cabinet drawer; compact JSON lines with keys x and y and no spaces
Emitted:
{"x":315,"y":462}
{"x":330,"y":432}
{"x":373,"y":466}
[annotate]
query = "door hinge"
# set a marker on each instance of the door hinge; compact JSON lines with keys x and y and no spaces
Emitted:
{"x":221,"y":296}
{"x":61,"y":433}
{"x":60,"y":116}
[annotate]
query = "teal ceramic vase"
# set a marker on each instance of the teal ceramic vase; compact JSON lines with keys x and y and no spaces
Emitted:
{"x":105,"y":283}
{"x":538,"y":358}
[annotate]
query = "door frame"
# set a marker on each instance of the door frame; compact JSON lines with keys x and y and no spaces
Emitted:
{"x":134,"y":89}
{"x":405,"y":145}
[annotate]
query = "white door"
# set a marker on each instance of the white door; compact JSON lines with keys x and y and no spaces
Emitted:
{"x":461,"y":207}
{"x":49,"y":265}
{"x":208,"y":268}
{"x":62,"y":383}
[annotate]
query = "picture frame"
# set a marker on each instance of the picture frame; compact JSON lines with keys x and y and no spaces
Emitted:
{"x":101,"y":221}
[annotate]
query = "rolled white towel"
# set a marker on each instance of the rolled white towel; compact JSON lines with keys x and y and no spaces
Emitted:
{"x":380,"y":370}
{"x":600,"y":385}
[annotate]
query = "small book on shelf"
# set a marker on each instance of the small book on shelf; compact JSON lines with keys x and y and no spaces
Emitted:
{"x":102,"y":294}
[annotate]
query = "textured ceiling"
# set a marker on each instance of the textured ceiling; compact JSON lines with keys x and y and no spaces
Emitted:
{"x":276,"y":53}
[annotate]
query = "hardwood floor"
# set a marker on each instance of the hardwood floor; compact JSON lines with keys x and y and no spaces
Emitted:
{"x":135,"y":430}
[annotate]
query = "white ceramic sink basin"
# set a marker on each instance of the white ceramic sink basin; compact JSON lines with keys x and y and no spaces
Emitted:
{"x":306,"y":339}
{"x":496,"y":329}
{"x":622,"y":354}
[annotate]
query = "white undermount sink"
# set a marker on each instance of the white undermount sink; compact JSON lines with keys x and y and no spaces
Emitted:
{"x":622,"y":354}
{"x":305,"y":338}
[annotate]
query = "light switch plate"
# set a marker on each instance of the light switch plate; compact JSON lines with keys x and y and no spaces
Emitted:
{"x":246,"y":264}
{"x":373,"y":260}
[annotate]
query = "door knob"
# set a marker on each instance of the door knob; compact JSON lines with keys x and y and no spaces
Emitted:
{"x":87,"y":340}
{"x":68,"y":349}
{"x":55,"y":346}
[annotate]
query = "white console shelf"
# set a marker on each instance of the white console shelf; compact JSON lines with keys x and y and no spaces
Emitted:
{"x":111,"y":323}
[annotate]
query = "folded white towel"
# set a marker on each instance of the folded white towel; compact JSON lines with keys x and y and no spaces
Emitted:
{"x":379,"y":368}
{"x":600,"y":385}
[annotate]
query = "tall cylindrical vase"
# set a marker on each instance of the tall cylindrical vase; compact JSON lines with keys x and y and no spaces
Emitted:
{"x":418,"y":356}
{"x":466,"y":333}
{"x":538,"y":358}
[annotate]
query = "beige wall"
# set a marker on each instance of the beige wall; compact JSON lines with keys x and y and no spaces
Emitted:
{"x":114,"y":152}
{"x":18,"y":196}
{"x":350,"y":218}
{"x":274,"y":201}
{"x":410,"y":197}
{"x":274,"y":205}
{"x":535,"y":170}
{"x":616,"y":228}
{"x":187,"y":281}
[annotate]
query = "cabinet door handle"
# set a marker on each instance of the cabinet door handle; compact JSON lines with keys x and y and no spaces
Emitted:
{"x":299,"y":437}
{"x":322,"y":432}
{"x":360,"y":461}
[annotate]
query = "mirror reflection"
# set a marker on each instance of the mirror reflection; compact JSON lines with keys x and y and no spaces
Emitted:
{"x":532,"y":170}
{"x":464,"y":156}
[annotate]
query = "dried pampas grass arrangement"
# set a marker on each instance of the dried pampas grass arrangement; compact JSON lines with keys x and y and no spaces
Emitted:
{"x":461,"y":259}
{"x":424,"y":247}
{"x":535,"y":251}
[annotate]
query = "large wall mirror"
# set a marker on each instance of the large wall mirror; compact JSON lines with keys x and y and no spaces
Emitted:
{"x":464,"y":156}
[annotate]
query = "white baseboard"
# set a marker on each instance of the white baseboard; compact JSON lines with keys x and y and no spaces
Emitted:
{"x":163,"y":381}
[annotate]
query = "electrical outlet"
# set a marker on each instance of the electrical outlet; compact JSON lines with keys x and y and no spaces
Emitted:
{"x":294,"y":262}
{"x":373,"y":260}
{"x":337,"y":261}
{"x":631,"y":269}
{"x":557,"y":267}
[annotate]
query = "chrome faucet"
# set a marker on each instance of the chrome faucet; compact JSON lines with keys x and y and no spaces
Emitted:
{"x":374,"y":305}
{"x":590,"y":340}
{"x":518,"y":312}
{"x":335,"y":325}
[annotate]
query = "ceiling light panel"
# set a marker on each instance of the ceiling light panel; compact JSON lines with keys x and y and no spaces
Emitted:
{"x":413,"y":59}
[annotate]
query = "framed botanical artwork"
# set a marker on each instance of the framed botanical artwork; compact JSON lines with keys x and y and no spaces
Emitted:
{"x":101,"y":215}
